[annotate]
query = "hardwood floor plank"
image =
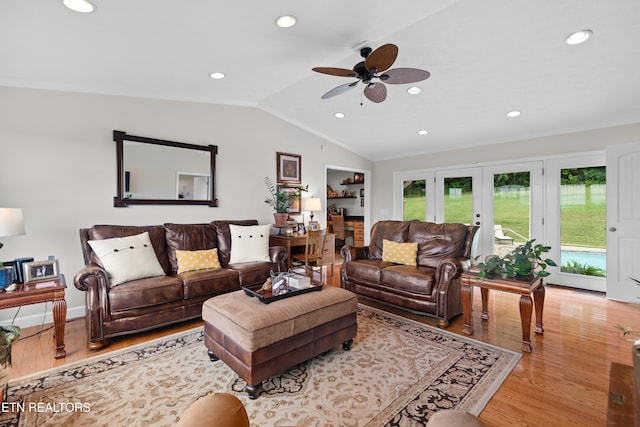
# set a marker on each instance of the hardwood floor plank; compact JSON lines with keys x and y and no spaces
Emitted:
{"x":564,"y":381}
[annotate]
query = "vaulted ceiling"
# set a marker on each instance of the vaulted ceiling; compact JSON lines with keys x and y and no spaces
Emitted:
{"x":485,"y":58}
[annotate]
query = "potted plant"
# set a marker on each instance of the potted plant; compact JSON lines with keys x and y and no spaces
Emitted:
{"x":282,"y":201}
{"x":525,"y":262}
{"x":8,"y":334}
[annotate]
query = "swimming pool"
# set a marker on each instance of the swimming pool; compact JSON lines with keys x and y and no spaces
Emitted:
{"x":596,"y":259}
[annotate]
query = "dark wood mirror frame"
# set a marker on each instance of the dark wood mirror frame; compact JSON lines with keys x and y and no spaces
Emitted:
{"x":120,"y":200}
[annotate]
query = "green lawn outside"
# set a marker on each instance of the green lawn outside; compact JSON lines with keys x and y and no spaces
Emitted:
{"x":580,"y":225}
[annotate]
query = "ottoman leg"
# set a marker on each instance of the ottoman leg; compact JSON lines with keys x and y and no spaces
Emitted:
{"x":212,"y":356}
{"x":347,"y":345}
{"x":253,"y":390}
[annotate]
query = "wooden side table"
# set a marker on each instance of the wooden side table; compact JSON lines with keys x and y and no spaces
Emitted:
{"x":524,"y":289}
{"x":35,"y":293}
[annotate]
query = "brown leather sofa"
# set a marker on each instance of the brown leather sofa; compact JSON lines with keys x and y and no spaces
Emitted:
{"x":432,"y":287}
{"x":148,"y":303}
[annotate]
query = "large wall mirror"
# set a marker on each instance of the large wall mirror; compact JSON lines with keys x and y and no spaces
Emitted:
{"x":158,"y":172}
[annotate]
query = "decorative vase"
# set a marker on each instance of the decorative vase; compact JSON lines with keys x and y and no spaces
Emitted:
{"x":280,"y":218}
{"x":6,"y":276}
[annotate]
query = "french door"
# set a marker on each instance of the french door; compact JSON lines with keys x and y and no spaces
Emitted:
{"x":509,"y":195}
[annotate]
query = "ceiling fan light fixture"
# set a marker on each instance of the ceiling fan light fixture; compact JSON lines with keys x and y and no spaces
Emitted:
{"x":579,"y":37}
{"x":216,"y":75}
{"x":513,"y":113}
{"x":81,"y":6}
{"x":286,"y":21}
{"x":414,"y":90}
{"x":423,"y":132}
{"x":338,"y":115}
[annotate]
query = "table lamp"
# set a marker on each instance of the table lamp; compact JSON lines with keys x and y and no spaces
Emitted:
{"x":311,"y":204}
{"x":11,"y":222}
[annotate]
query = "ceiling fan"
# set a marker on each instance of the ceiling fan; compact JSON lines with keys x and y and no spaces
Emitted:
{"x":372,"y":72}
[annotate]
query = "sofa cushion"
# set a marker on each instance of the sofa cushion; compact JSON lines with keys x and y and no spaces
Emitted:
{"x":396,"y":231}
{"x":197,"y":260}
{"x":224,"y":238}
{"x":145,"y":293}
{"x":399,"y":253}
{"x":209,"y":282}
{"x":156,"y":235}
{"x":438,"y":241}
{"x":252,"y":273}
{"x":417,"y":280}
{"x":189,"y":237}
{"x":249,"y":243}
{"x":127,"y":258}
{"x":365,"y":270}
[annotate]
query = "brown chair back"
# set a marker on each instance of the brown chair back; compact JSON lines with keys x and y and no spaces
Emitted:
{"x":314,"y":249}
{"x":337,"y":222}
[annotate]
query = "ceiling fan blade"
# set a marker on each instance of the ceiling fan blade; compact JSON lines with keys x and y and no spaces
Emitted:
{"x":376,"y":92}
{"x":338,"y":90}
{"x":404,"y":75}
{"x":341,"y":72}
{"x":382,"y":58}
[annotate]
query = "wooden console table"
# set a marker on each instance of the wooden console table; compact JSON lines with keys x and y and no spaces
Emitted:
{"x":297,"y":240}
{"x":524,"y":289}
{"x":35,"y":293}
{"x":623,"y":408}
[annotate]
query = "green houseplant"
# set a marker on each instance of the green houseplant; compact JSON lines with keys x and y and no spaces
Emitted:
{"x":525,"y":262}
{"x":282,"y":199}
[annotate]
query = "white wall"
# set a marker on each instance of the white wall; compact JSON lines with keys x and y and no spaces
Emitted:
{"x":598,"y":139}
{"x":58,"y":163}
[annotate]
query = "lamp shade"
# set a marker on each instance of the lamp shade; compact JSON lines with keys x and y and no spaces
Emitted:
{"x":311,"y":204}
{"x":11,"y":222}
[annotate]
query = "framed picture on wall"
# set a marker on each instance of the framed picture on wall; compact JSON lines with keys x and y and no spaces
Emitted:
{"x":296,"y":206}
{"x":289,"y":168}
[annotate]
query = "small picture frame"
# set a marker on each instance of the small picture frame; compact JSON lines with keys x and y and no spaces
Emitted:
{"x":297,"y":202}
{"x":289,"y":168}
{"x":358,"y":177}
{"x":314,"y":226}
{"x":39,"y":271}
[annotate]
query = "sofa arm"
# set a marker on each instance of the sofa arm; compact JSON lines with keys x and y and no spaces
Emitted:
{"x":449,"y":269}
{"x":279,"y":256}
{"x":94,"y":281}
{"x":352,"y":253}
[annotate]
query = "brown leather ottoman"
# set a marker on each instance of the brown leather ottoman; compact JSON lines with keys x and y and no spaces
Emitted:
{"x":260,"y":340}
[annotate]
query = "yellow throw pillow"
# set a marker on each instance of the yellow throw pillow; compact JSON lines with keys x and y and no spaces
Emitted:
{"x":399,"y":253}
{"x":197,"y":260}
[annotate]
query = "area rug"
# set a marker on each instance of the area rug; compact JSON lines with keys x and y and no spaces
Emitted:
{"x":397,"y":373}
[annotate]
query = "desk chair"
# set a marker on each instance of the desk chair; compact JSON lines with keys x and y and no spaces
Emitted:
{"x":313,"y":252}
{"x":337,"y":222}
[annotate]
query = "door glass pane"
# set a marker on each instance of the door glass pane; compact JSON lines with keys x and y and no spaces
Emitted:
{"x":414,"y":205}
{"x":511,"y":207}
{"x":458,"y":200}
{"x":583,"y":221}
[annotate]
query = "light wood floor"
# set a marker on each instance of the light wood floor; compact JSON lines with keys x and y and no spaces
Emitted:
{"x":563,"y":382}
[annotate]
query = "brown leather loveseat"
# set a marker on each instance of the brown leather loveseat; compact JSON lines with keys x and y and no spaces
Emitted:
{"x":431,"y":286}
{"x":151,"y":302}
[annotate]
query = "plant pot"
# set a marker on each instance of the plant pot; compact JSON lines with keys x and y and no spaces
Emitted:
{"x":6,"y":276}
{"x":280,"y":218}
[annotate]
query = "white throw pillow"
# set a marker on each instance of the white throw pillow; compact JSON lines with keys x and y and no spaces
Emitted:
{"x":127,"y":258}
{"x":249,"y":243}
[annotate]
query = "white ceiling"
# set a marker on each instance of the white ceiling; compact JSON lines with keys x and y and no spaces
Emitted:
{"x":485,"y":58}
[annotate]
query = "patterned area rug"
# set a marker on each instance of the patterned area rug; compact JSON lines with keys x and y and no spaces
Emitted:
{"x":397,"y":373}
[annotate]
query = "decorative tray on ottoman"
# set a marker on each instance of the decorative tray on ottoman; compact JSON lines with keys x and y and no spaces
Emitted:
{"x":296,"y":286}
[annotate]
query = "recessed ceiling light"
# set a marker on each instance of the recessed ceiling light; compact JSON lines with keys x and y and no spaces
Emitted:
{"x":217,"y":75}
{"x":338,"y":115}
{"x":82,"y":6}
{"x":423,"y":132}
{"x":286,"y":21}
{"x":579,"y":37}
{"x":514,"y":113}
{"x":413,"y":90}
